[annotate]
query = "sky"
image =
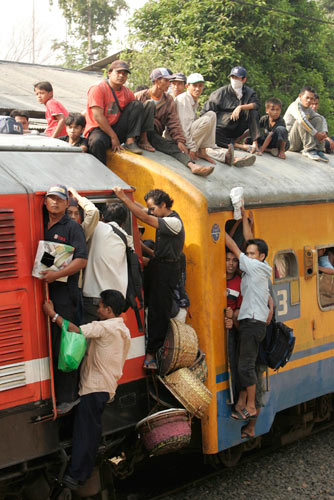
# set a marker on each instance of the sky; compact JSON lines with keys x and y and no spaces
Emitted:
{"x":17,"y":28}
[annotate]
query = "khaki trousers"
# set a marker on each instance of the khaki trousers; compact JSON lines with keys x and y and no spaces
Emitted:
{"x":301,"y":140}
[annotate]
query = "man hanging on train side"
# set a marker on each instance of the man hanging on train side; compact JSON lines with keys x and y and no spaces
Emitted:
{"x":60,"y":228}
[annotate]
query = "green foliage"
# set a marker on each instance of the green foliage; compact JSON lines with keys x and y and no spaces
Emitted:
{"x":87,"y":19}
{"x":282,"y":52}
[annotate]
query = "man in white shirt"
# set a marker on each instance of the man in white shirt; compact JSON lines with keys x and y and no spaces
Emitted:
{"x":107,"y":264}
{"x":200,"y":133}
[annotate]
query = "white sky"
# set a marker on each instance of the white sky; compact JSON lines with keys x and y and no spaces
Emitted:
{"x":17,"y":28}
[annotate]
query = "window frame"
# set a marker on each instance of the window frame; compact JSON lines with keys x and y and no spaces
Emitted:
{"x":329,"y":307}
{"x":287,"y":279}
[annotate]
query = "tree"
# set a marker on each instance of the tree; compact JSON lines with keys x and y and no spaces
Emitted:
{"x":274,"y":39}
{"x":89,"y":25}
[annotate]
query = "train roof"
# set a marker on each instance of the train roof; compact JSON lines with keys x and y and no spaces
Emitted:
{"x":269,"y":182}
{"x":33,"y":163}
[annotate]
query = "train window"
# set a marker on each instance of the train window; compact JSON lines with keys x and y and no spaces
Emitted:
{"x":285,"y":265}
{"x":100,"y":203}
{"x":325,"y":277}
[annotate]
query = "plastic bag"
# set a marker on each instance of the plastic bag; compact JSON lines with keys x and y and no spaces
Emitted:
{"x":237,"y":198}
{"x":72,"y":349}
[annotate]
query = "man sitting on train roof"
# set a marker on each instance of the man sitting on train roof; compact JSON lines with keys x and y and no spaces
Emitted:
{"x":113,"y":114}
{"x":200,"y":133}
{"x":236,"y":106}
{"x":160,"y":111}
{"x":305,"y":126}
{"x":164,"y":269}
{"x":100,"y":371}
{"x":21,"y":117}
{"x":253,"y":316}
{"x":60,"y":228}
{"x":329,"y":141}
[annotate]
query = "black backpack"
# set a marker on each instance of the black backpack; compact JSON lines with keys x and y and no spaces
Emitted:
{"x":134,"y":292}
{"x":277,"y":346}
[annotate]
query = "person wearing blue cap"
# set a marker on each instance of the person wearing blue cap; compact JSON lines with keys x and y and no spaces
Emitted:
{"x":236,"y":106}
{"x":161,"y":113}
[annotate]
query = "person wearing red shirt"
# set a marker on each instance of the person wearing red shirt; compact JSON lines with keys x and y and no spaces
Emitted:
{"x":55,"y":113}
{"x":113,"y":115}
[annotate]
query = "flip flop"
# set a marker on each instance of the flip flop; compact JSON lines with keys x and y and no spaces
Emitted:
{"x":146,"y":146}
{"x":208,"y":171}
{"x":230,"y":150}
{"x":240,"y":415}
{"x":150,"y":365}
{"x":245,"y":434}
{"x":244,"y":161}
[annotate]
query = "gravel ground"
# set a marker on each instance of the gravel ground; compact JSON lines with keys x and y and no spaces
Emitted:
{"x":300,"y":471}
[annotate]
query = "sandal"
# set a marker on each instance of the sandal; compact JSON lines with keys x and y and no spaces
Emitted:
{"x":245,"y":434}
{"x":150,"y":365}
{"x":240,"y":415}
{"x":146,"y":146}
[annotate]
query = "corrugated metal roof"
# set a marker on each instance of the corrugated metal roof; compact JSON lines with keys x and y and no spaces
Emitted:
{"x":270,"y":181}
{"x":17,"y":81}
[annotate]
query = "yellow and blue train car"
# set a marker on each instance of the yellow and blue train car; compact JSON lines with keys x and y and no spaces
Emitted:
{"x":293,"y":208}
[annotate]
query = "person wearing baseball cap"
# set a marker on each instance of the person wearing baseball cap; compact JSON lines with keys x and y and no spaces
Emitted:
{"x":200,"y":133}
{"x":178,"y":84}
{"x":60,"y":228}
{"x":161,"y":113}
{"x":236,"y":106}
{"x":113,"y":116}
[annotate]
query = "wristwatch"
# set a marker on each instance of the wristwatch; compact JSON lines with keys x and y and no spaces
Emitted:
{"x":54,"y":319}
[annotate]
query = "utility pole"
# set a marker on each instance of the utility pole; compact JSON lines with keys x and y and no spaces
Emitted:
{"x":33,"y":32}
{"x":90,"y":34}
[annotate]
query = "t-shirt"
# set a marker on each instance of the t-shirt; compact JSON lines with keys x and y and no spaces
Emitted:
{"x":234,"y":297}
{"x":323,"y":261}
{"x":254,"y":288}
{"x":107,"y":351}
{"x":169,"y":238}
{"x":264,"y":124}
{"x":101,"y":96}
{"x":53,"y":108}
{"x":82,"y":141}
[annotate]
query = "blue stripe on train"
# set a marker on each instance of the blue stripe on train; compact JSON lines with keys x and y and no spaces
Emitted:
{"x":287,"y":389}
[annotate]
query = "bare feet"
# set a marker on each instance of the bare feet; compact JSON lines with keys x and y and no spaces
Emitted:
{"x":203,"y":154}
{"x":281,"y":155}
{"x":146,"y":146}
{"x":200,"y":170}
{"x":229,"y":157}
{"x":247,"y":432}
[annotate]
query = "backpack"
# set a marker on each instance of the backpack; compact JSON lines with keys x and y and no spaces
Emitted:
{"x":135,"y":280}
{"x":9,"y":126}
{"x":276,"y":348}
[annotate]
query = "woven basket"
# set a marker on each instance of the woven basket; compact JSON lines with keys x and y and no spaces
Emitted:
{"x":165,"y":431}
{"x":190,"y":391}
{"x":180,"y":347}
{"x":199,"y":368}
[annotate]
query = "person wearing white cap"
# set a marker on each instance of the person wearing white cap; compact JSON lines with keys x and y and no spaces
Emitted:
{"x":200,"y":133}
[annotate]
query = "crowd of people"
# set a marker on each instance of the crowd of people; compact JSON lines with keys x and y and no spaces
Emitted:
{"x":165,"y":118}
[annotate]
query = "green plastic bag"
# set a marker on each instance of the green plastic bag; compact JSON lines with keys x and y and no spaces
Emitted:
{"x":72,"y":348}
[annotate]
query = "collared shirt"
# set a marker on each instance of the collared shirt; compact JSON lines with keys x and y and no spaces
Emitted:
{"x":107,"y":265}
{"x":254,"y":288}
{"x":186,"y":108}
{"x":108,"y":348}
{"x":69,"y":232}
{"x":169,"y":239}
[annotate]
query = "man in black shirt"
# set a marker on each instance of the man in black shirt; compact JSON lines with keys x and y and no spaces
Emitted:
{"x":60,"y":228}
{"x":236,"y":107}
{"x":164,"y":270}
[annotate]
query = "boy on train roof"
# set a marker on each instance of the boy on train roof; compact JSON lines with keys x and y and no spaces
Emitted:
{"x":55,"y":113}
{"x":161,"y":113}
{"x":305,"y":126}
{"x":21,"y":117}
{"x":275,"y":137}
{"x":75,"y":125}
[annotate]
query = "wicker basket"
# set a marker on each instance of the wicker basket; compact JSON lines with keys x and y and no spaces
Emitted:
{"x":190,"y":391}
{"x":165,"y":431}
{"x":199,"y":368}
{"x":180,"y":347}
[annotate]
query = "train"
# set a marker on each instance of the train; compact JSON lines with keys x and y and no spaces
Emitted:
{"x":293,"y":206}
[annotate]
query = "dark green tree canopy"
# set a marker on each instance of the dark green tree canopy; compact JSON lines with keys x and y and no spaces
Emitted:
{"x":277,"y":41}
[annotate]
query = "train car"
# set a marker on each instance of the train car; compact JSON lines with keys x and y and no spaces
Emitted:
{"x":31,"y":441}
{"x":293,"y":208}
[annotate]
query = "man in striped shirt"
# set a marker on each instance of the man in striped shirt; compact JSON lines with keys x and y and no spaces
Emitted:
{"x":305,"y":126}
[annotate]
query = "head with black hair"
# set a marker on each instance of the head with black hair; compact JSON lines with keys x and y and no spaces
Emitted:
{"x":43,"y":91}
{"x":21,"y":117}
{"x":76,"y":119}
{"x":115,"y":212}
{"x":158,"y":202}
{"x":112,"y":304}
{"x":257,"y":249}
{"x":306,"y":96}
